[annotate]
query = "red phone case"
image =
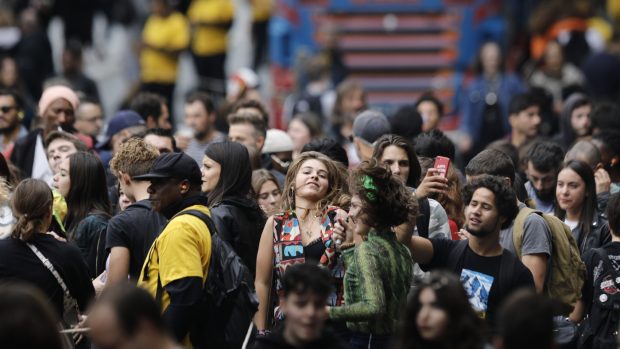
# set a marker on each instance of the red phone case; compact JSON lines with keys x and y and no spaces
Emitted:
{"x":441,"y":165}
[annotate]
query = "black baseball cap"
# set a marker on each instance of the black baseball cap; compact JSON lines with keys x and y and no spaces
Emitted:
{"x":174,"y":165}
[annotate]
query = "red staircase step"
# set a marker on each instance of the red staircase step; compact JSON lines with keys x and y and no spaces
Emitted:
{"x":397,"y":61}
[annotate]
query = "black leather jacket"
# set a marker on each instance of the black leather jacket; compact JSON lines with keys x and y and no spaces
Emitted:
{"x":599,"y":235}
{"x":240,"y":222}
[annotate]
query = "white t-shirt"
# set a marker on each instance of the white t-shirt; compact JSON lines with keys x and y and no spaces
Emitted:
{"x":571,"y":224}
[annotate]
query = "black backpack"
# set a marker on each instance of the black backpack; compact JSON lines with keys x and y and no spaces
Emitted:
{"x":229,"y":299}
{"x":599,"y":330}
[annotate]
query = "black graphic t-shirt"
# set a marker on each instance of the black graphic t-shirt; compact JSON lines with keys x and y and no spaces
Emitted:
{"x":596,"y":270}
{"x":480,"y":276}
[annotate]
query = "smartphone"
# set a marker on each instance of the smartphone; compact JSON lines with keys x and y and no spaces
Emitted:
{"x":442,"y":164}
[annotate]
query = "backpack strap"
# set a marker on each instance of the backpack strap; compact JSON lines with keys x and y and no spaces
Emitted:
{"x":210,"y":225}
{"x":518,"y":228}
{"x":202,"y":216}
{"x":507,"y":268}
{"x":456,"y":256}
{"x":424,"y":217}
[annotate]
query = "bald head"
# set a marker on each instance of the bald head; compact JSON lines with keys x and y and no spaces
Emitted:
{"x":586,"y":152}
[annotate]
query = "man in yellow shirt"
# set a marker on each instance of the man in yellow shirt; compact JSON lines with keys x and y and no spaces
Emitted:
{"x":164,"y":37}
{"x":177,"y":264}
{"x":210,"y":21}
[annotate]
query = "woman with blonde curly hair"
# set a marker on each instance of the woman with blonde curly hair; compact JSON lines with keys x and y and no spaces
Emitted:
{"x":302,"y":230}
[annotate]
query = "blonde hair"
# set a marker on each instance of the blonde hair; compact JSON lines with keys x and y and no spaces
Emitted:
{"x":337,"y":191}
{"x":135,"y":157}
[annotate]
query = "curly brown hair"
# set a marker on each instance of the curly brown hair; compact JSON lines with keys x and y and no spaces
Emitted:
{"x":385,"y":200}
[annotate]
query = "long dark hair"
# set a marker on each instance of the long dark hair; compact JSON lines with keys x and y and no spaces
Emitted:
{"x":88,"y":193}
{"x":236,"y":173}
{"x":589,"y":206}
{"x":567,"y":133}
{"x":415,"y":170}
{"x":464,"y":330}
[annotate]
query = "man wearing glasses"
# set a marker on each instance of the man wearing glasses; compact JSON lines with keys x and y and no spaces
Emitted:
{"x":11,"y":115}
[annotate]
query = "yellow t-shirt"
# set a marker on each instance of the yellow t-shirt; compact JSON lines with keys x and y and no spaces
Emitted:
{"x":171,"y":33}
{"x":261,"y":10}
{"x":207,"y":40}
{"x":182,"y":250}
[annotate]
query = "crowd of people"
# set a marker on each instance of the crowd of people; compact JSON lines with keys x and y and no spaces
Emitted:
{"x":349,"y":229}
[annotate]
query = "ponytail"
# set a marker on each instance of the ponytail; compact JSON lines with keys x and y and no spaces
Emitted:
{"x":31,"y":204}
{"x":26,"y":227}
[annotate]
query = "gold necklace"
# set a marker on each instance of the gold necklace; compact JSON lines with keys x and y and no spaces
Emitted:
{"x":303,"y":223}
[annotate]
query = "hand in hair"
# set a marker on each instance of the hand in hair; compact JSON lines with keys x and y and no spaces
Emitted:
{"x":602,"y":180}
{"x":432,"y":183}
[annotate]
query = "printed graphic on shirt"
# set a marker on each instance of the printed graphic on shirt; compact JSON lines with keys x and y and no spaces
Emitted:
{"x":608,"y":285}
{"x":478,"y":287}
{"x":615,"y":262}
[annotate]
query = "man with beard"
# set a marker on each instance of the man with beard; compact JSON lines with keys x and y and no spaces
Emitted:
{"x":544,"y":160}
{"x":200,"y":115}
{"x":536,"y":245}
{"x":489,"y":273}
{"x":11,"y":115}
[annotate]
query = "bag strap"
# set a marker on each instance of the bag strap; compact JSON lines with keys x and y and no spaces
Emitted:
{"x":210,"y":225}
{"x":456,"y":256}
{"x":46,"y":262}
{"x":424,"y":218}
{"x":507,"y":267}
{"x":518,"y":228}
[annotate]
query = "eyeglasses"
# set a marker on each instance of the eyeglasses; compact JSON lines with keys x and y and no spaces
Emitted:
{"x":7,"y":108}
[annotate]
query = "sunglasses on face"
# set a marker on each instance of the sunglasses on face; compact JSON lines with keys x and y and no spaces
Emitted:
{"x":6,"y":108}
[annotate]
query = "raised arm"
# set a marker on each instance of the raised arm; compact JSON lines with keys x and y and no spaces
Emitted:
{"x":421,"y":249}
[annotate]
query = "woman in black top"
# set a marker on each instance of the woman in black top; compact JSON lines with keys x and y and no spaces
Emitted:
{"x":227,"y":180}
{"x":81,"y":180}
{"x":32,"y":206}
{"x":577,"y":206}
